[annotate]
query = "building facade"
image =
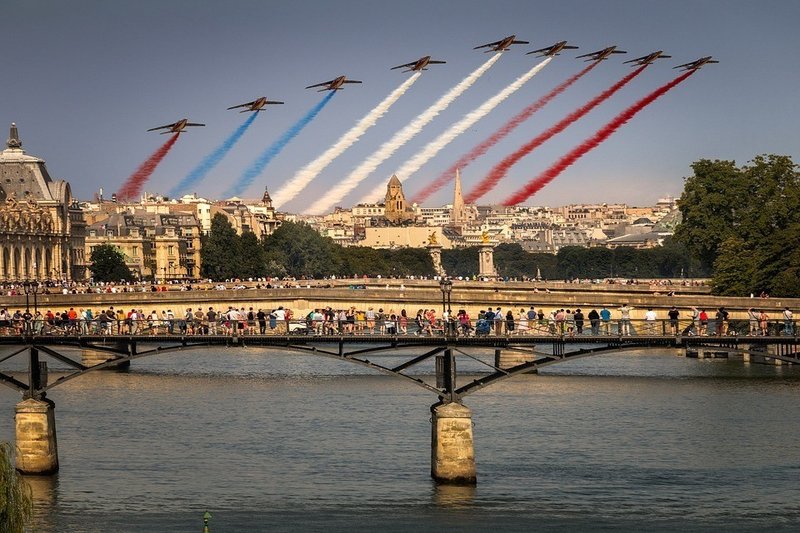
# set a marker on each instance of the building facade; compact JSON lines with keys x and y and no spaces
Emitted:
{"x":41,"y":227}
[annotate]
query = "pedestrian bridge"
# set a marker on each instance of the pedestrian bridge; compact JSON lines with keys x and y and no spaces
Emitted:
{"x":452,"y":431}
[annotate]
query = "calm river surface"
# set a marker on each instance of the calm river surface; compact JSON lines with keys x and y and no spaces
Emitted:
{"x":274,"y":442}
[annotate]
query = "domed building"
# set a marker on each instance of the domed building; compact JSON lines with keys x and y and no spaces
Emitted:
{"x":41,"y":227}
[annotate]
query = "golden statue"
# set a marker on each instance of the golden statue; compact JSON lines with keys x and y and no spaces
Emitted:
{"x":432,"y":238}
{"x":485,"y":237}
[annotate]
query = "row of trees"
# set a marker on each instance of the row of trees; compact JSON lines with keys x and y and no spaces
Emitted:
{"x":296,"y":249}
{"x":745,"y":223}
{"x":668,"y":261}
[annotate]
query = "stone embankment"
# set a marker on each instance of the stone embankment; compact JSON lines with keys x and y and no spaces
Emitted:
{"x":393,"y":295}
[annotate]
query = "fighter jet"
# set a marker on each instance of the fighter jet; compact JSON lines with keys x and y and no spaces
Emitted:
{"x":602,"y":54}
{"x":176,"y":127}
{"x":333,"y":85}
{"x":256,"y":105}
{"x":553,"y":50}
{"x":419,"y":64}
{"x":501,"y":45}
{"x":648,"y":59}
{"x":694,"y":65}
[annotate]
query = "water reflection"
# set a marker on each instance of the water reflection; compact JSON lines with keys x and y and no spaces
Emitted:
{"x":44,"y":490}
{"x":453,"y":496}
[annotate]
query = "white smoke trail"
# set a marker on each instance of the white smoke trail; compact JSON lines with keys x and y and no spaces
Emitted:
{"x":304,"y":176}
{"x":331,"y":198}
{"x":433,"y":148}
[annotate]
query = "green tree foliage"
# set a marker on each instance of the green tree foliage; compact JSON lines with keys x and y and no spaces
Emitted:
{"x":220,"y":252}
{"x":302,"y":251}
{"x":16,"y":500}
{"x":746,"y":223}
{"x":108,"y":264}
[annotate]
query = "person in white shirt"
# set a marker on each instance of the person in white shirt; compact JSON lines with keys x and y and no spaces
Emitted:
{"x":788,"y":322}
{"x":650,"y":319}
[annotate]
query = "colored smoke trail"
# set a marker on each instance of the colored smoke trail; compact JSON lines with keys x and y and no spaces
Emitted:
{"x":133,"y":185}
{"x":212,"y":159}
{"x":258,"y":166}
{"x":499,"y":170}
{"x":306,"y":174}
{"x":400,"y":138}
{"x":589,"y":144}
{"x":498,"y":136}
{"x":457,"y":129}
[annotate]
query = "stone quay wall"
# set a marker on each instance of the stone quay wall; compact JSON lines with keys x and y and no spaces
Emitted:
{"x":394,"y":296}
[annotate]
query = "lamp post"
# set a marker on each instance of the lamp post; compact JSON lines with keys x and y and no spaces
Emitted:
{"x":446,"y":286}
{"x":26,"y":285}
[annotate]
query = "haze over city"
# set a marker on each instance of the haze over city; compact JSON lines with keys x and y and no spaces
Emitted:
{"x":85,"y":80}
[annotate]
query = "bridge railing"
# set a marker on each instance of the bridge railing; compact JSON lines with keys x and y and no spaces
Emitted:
{"x":569,"y":327}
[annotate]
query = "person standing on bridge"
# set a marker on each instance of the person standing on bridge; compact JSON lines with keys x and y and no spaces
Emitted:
{"x":594,"y":321}
{"x":763,"y":321}
{"x":625,"y":319}
{"x":788,"y":322}
{"x":752,"y":320}
{"x":578,"y":322}
{"x":605,"y":316}
{"x":650,"y":319}
{"x":673,"y":315}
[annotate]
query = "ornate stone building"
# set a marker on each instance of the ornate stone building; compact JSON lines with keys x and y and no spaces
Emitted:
{"x":41,"y":227}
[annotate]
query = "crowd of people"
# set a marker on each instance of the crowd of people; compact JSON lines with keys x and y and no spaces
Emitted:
{"x":370,"y":321}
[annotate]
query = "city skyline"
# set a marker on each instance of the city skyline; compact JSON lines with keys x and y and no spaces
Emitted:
{"x":84,"y":84}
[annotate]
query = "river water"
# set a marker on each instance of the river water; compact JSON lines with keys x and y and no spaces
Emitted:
{"x":274,"y":442}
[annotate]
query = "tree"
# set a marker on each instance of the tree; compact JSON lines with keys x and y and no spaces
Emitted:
{"x":16,"y":499}
{"x":302,"y":251}
{"x":252,"y":257}
{"x":108,"y":264}
{"x":745,"y":222}
{"x":220,"y":250}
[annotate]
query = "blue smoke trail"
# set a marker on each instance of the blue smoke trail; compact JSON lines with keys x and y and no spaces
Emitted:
{"x":257,"y":167}
{"x":212,"y":159}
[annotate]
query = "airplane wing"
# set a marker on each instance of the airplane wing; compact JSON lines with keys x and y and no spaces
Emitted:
{"x":406,"y":65}
{"x":619,"y":52}
{"x":243,"y":105}
{"x":194,"y":124}
{"x":162,"y":127}
{"x":687,"y":65}
{"x":487,"y":45}
{"x":540,"y":50}
{"x":520,"y":42}
{"x":432,"y":62}
{"x":635,"y":60}
{"x":586,"y":55}
{"x":351,"y":81}
{"x":320,"y":84}
{"x":273,"y":102}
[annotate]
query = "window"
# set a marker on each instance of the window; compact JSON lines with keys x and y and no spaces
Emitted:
{"x":170,"y":251}
{"x":135,"y":251}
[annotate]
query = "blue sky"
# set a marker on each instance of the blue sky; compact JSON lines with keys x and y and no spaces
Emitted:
{"x":85,"y":79}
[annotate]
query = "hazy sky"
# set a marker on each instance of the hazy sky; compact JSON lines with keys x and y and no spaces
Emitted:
{"x":84,"y":80}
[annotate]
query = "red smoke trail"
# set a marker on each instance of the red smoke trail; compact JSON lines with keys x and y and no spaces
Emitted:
{"x":133,"y":185}
{"x":499,"y":171}
{"x":497,"y":136}
{"x":592,"y":142}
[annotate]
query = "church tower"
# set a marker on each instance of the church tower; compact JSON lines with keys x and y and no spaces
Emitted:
{"x":396,"y":209}
{"x":458,"y":216}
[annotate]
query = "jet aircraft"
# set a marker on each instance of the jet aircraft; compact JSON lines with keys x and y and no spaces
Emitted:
{"x":648,"y":59}
{"x":333,"y":85}
{"x":694,"y":65}
{"x":176,"y":127}
{"x":600,"y":55}
{"x":419,"y":64}
{"x":501,"y":45}
{"x":256,"y":105}
{"x":553,"y":50}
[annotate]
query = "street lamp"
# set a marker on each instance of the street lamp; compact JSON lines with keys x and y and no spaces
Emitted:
{"x":446,"y":286}
{"x":31,"y":287}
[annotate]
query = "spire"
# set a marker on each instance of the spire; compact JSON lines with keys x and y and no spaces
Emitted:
{"x":266,"y":199}
{"x":13,"y":141}
{"x":457,"y":215}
